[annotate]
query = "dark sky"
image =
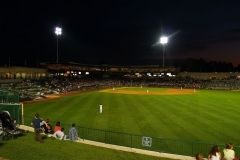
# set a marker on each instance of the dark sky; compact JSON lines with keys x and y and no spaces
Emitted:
{"x":119,"y":32}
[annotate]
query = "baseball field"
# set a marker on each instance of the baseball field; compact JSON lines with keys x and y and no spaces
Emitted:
{"x":183,"y":114}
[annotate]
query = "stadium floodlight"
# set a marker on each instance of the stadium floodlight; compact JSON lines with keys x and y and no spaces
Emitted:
{"x":163,"y":41}
{"x":58,"y":32}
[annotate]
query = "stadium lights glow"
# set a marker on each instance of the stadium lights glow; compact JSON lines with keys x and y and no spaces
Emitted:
{"x":149,"y":74}
{"x":163,"y":40}
{"x":87,"y":73}
{"x":58,"y":31}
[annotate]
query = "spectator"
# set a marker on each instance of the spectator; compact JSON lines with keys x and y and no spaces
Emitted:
{"x":47,"y":127}
{"x":199,"y":156}
{"x":36,"y":122}
{"x":60,"y":134}
{"x":73,"y":135}
{"x":228,"y":152}
{"x":57,"y":127}
{"x":215,"y":153}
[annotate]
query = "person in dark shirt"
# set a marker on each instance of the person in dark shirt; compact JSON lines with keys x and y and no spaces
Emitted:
{"x":36,"y":123}
{"x":47,"y":127}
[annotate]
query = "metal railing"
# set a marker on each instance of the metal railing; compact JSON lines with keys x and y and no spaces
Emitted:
{"x":164,"y":145}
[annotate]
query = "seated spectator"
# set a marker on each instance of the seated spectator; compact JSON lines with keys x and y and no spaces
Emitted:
{"x":57,"y":127}
{"x":60,"y":134}
{"x":73,"y":135}
{"x":228,"y":152}
{"x":47,"y":127}
{"x":199,"y":156}
{"x":215,"y":153}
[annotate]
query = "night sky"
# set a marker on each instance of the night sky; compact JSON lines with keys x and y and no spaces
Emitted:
{"x":119,"y":32}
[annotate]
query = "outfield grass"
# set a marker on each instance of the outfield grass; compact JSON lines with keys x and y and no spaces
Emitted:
{"x":25,"y":148}
{"x":208,"y":116}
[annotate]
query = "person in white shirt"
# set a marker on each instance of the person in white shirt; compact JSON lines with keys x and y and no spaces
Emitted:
{"x":60,"y":134}
{"x":215,"y":153}
{"x":100,"y":108}
{"x":228,"y":152}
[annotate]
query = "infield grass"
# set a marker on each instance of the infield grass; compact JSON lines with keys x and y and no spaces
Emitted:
{"x":207,"y":115}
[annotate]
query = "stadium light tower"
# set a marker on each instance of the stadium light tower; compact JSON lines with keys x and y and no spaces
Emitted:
{"x":58,"y":32}
{"x":163,"y":41}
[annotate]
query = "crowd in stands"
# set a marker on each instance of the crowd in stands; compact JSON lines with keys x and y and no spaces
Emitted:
{"x":37,"y":89}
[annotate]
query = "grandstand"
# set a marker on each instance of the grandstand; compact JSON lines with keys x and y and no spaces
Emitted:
{"x":37,"y":83}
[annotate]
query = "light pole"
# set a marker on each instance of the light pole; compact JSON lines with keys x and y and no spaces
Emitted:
{"x":163,"y":41}
{"x":58,"y":32}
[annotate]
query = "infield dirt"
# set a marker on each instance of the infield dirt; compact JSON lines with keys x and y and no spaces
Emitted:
{"x":170,"y":91}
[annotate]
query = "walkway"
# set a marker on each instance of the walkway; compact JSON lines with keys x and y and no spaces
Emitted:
{"x":126,"y":149}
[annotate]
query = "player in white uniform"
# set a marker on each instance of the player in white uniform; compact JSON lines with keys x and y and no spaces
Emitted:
{"x":100,"y":108}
